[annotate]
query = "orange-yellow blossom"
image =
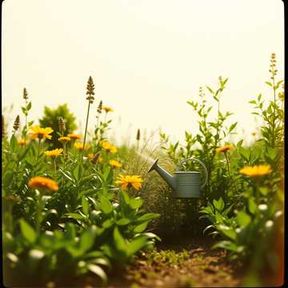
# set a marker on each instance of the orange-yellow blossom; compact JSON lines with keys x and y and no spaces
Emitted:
{"x":224,"y":148}
{"x":109,"y":147}
{"x":54,"y":153}
{"x":40,"y":133}
{"x":256,"y":171}
{"x":64,"y":139}
{"x":126,"y":181}
{"x":115,"y":164}
{"x":43,"y":182}
{"x":74,"y":136}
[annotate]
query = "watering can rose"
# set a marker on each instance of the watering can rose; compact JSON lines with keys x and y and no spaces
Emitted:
{"x":126,"y":181}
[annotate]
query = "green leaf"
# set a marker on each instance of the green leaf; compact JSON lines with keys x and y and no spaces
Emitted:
{"x":136,"y":245}
{"x":147,"y":217}
{"x":85,"y":205}
{"x":105,"y":205}
{"x":228,"y":245}
{"x":75,"y":216}
{"x":124,"y":197}
{"x":86,"y":240}
{"x":13,"y":142}
{"x":119,"y":241}
{"x":70,"y":232}
{"x":227,"y":231}
{"x":151,"y":235}
{"x":27,"y":231}
{"x":97,"y":270}
{"x":101,"y":261}
{"x":140,"y":228}
{"x":252,"y":205}
{"x":123,"y":222}
{"x":29,"y":105}
{"x":77,"y":172}
{"x":136,"y":203}
{"x":219,"y":204}
{"x":243,"y":218}
{"x":264,"y":190}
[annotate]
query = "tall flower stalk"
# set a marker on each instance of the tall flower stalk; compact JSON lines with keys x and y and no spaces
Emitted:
{"x":90,"y":98}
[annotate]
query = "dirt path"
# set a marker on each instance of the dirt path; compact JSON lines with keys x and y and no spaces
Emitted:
{"x":180,"y":265}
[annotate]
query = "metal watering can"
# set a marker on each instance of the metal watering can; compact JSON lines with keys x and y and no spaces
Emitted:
{"x":186,"y":184}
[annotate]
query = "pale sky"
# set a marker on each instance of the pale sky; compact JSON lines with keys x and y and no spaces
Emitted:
{"x":147,"y":57}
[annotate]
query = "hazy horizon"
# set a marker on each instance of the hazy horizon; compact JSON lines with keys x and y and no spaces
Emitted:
{"x":147,"y":58}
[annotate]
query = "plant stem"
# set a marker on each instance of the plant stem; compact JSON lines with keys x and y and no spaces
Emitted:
{"x":86,"y":126}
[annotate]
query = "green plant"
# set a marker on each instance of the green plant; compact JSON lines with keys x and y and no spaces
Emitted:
{"x":51,"y":119}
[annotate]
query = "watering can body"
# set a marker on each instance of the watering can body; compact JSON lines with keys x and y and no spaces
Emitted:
{"x":185,"y":184}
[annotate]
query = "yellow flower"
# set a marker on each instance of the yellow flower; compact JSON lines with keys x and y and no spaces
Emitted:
{"x":64,"y":139}
{"x":93,"y":157}
{"x":54,"y":153}
{"x":74,"y":136}
{"x":255,"y":171}
{"x":43,"y":182}
{"x":41,"y":133}
{"x":22,"y":142}
{"x":224,"y":148}
{"x":108,"y":147}
{"x":107,"y":109}
{"x":126,"y":181}
{"x":79,"y":146}
{"x":115,"y":164}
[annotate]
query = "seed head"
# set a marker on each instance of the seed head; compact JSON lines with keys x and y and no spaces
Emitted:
{"x":16,"y":123}
{"x":99,"y":109}
{"x":25,"y":94}
{"x":138,"y":135}
{"x":62,"y":126}
{"x":90,"y":90}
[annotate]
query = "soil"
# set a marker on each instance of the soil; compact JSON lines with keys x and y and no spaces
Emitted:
{"x":199,"y":267}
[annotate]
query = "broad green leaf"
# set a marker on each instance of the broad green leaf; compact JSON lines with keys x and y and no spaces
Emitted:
{"x":243,"y":218}
{"x":86,"y":240}
{"x":101,"y":261}
{"x":75,"y":216}
{"x":136,"y":203}
{"x":77,"y":172}
{"x":97,"y":270}
{"x":137,"y":244}
{"x":123,"y":221}
{"x":252,"y":205}
{"x":13,"y":142}
{"x":140,"y":228}
{"x":105,"y":205}
{"x":147,"y":217}
{"x":27,"y":231}
{"x":151,"y":235}
{"x":263,"y":190}
{"x":228,"y":245}
{"x":227,"y":231}
{"x":124,"y":196}
{"x":28,"y":107}
{"x":70,"y":232}
{"x":219,"y":204}
{"x":85,"y":205}
{"x":119,"y":241}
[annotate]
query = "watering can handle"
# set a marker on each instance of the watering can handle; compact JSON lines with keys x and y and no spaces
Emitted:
{"x":202,"y":164}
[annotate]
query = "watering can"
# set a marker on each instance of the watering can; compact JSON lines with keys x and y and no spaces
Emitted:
{"x":186,"y":184}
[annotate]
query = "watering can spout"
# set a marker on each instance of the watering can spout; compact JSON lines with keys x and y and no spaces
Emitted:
{"x":164,"y":174}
